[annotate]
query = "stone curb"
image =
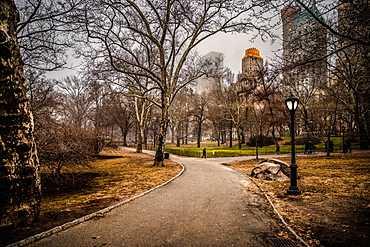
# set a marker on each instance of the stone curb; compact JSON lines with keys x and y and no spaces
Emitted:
{"x":67,"y":225}
{"x":273,"y":207}
{"x":278,"y":214}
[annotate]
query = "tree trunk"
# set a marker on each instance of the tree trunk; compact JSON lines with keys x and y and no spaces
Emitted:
{"x":173,"y":133}
{"x":19,"y":176}
{"x":161,"y":140}
{"x":239,"y":139}
{"x":231,"y":135}
{"x":218,"y":138}
{"x":199,"y":134}
{"x":275,"y":140}
{"x":145,"y":139}
{"x":186,"y":132}
{"x":179,"y":134}
{"x":125,"y":138}
{"x":139,"y":147}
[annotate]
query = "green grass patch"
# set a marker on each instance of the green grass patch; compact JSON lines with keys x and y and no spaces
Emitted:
{"x":213,"y":151}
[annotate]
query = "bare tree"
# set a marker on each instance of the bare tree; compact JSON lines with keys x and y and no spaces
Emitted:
{"x":199,"y":114}
{"x":154,"y":39}
{"x":45,"y":32}
{"x":19,"y":178}
{"x":143,"y":109}
{"x":232,"y":102}
{"x":122,"y":111}
{"x":63,"y":147}
{"x":350,"y":86}
{"x":267,"y":93}
{"x":77,"y":100}
{"x":217,"y":108}
{"x":180,"y":115}
{"x":44,"y":99}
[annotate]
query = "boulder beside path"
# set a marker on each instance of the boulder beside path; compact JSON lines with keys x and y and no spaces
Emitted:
{"x":272,"y":169}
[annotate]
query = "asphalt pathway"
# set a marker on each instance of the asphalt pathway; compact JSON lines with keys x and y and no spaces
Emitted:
{"x":208,"y":205}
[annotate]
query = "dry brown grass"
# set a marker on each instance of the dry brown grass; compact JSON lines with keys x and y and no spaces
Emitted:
{"x":125,"y":174}
{"x":334,"y":208}
{"x":103,"y":183}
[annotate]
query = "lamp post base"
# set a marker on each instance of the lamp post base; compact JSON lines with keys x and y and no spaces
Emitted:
{"x":293,"y":191}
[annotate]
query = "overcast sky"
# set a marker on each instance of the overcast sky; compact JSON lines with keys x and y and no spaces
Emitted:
{"x":233,"y":47}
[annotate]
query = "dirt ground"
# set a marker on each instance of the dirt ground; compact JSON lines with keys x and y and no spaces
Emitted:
{"x":334,"y":208}
{"x":114,"y":178}
{"x":48,"y":221}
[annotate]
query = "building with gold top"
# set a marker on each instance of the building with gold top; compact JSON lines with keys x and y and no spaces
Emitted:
{"x":252,"y":66}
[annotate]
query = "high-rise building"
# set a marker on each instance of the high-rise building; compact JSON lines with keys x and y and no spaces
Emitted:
{"x":252,"y":66}
{"x":288,"y":14}
{"x":304,"y":47}
{"x":203,"y":84}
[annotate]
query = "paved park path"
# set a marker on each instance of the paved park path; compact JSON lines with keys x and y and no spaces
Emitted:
{"x":208,"y":205}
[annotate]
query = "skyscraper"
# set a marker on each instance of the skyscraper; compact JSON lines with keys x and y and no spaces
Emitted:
{"x":203,"y":84}
{"x":252,"y":66}
{"x":304,"y":48}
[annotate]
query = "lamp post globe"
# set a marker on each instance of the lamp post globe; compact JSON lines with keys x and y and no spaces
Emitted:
{"x":292,"y":103}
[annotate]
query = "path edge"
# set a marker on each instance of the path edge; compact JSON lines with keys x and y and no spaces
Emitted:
{"x":278,"y":214}
{"x":85,"y":218}
{"x":281,"y":218}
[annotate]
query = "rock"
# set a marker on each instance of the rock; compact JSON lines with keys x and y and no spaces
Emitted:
{"x":271,"y":169}
{"x":285,"y":167}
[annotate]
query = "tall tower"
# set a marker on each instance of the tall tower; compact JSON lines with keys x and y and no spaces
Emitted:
{"x":288,"y":15}
{"x":252,"y":66}
{"x":252,"y":62}
{"x":304,"y":41}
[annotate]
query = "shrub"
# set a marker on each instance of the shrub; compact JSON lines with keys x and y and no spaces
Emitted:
{"x":64,"y":146}
{"x":262,"y":141}
{"x":304,"y":140}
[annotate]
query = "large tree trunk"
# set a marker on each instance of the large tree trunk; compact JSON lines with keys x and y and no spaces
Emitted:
{"x":199,"y":134}
{"x":179,"y":134}
{"x":19,"y":178}
{"x":159,"y":159}
{"x":239,"y":139}
{"x":139,"y":147}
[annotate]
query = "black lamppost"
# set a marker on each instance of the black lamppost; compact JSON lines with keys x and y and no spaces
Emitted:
{"x":292,"y":104}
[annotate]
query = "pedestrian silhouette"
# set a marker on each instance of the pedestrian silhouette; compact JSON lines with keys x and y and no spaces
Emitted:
{"x":204,"y":153}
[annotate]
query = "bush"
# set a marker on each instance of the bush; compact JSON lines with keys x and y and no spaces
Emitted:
{"x":65,"y":146}
{"x":262,"y":141}
{"x":304,"y":140}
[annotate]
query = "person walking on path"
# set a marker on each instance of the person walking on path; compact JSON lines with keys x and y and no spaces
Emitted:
{"x":204,"y":152}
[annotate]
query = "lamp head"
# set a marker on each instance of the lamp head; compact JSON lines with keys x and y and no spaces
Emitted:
{"x":292,"y":103}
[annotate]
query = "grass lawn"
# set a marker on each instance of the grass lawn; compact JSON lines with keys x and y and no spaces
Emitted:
{"x":124,"y":174}
{"x":213,"y":151}
{"x":334,"y":207}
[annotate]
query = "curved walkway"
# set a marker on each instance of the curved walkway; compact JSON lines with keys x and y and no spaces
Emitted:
{"x":209,"y":205}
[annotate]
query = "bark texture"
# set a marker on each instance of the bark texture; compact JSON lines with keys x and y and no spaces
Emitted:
{"x":19,"y":178}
